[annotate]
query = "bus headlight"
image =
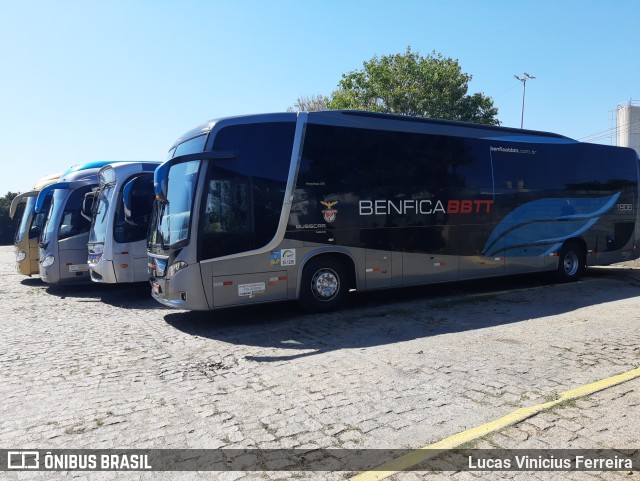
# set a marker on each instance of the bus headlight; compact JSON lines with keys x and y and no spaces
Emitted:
{"x":21,"y":256}
{"x":175,"y":267}
{"x":48,"y":261}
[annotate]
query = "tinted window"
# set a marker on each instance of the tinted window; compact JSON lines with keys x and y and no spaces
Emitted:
{"x":263,"y":150}
{"x":348,"y":168}
{"x":355,"y":159}
{"x":227,"y":216}
{"x":528,"y":168}
{"x":73,"y":223}
{"x":142,"y":197}
{"x":244,"y":195}
{"x":600,"y":167}
{"x":192,"y":146}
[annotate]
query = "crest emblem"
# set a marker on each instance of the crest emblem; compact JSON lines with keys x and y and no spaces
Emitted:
{"x":329,"y":213}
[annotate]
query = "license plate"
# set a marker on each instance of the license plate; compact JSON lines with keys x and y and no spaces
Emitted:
{"x":79,"y":268}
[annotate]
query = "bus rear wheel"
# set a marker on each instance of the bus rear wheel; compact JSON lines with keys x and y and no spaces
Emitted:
{"x":323,"y":286}
{"x":570,"y":262}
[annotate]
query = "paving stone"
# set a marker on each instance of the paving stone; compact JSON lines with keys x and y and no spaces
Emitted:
{"x":156,"y":377}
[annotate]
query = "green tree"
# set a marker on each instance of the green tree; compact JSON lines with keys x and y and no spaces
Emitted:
{"x":7,"y":225}
{"x":310,"y":104}
{"x":410,"y":84}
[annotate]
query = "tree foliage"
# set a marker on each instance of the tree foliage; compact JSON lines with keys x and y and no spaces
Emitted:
{"x":7,"y":226}
{"x":310,"y":104}
{"x":408,"y":84}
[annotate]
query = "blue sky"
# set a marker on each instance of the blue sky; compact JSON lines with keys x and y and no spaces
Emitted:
{"x":89,"y":80}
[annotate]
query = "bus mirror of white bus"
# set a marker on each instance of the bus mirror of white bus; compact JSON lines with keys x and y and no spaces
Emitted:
{"x":18,"y":199}
{"x":87,"y":205}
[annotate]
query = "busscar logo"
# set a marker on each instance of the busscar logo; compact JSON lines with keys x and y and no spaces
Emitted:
{"x":329,"y":213}
{"x":23,"y":460}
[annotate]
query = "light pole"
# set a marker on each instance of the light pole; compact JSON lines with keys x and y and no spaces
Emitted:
{"x":523,"y":79}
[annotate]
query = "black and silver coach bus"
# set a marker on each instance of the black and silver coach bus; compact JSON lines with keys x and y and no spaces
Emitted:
{"x":309,"y":206}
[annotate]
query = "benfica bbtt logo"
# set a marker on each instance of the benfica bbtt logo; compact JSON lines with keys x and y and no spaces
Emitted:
{"x":329,"y":213}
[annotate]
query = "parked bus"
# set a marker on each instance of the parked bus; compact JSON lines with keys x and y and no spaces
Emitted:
{"x":26,"y":239}
{"x":63,"y":240}
{"x":120,"y":216}
{"x":309,"y":206}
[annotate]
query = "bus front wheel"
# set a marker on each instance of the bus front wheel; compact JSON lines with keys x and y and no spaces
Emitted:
{"x":324,"y":285}
{"x":570,"y":262}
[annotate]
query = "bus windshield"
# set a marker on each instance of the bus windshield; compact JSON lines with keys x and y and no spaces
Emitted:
{"x":98,"y":232}
{"x":27,"y":216}
{"x":65,"y":215}
{"x":170,"y":222}
{"x":39,"y":219}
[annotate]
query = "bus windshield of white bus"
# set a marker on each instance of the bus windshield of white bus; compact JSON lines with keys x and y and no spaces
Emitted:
{"x":98,"y":232}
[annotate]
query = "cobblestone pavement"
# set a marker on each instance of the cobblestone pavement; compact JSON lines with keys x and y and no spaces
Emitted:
{"x":107,"y":367}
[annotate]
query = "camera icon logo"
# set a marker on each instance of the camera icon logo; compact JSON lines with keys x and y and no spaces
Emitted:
{"x":23,"y":460}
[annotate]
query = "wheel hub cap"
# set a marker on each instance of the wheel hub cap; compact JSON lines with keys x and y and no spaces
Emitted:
{"x":325,"y":284}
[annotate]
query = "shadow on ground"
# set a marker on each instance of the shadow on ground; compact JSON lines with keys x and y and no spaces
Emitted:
{"x":129,"y":296}
{"x":392,"y":316}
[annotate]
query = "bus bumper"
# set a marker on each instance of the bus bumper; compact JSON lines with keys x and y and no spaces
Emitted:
{"x":183,"y":291}
{"x":102,"y":271}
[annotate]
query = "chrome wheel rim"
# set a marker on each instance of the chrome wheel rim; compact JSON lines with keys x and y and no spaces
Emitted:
{"x":325,"y":284}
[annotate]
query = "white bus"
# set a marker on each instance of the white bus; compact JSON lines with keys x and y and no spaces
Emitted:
{"x":63,"y":240}
{"x":120,"y":214}
{"x":309,"y":206}
{"x":26,"y":239}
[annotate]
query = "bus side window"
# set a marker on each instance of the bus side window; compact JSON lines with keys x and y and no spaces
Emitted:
{"x":226,"y":227}
{"x":227,"y":207}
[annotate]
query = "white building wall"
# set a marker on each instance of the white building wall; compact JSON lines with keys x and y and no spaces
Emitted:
{"x":628,"y":126}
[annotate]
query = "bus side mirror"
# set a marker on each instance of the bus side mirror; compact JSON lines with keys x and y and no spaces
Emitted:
{"x":160,"y":177}
{"x":87,"y":205}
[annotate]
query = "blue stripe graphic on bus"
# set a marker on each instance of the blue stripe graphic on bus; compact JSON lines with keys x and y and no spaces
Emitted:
{"x":540,"y":227}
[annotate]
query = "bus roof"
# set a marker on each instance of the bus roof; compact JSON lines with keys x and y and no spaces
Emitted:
{"x":88,"y":165}
{"x":46,"y":180}
{"x":206,"y":127}
{"x":377,"y":120}
{"x":72,"y":178}
{"x":449,"y":123}
{"x":37,"y":187}
{"x":365,"y":119}
{"x":110,"y":172}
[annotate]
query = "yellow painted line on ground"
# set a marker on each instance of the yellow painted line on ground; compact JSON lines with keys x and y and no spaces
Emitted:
{"x":420,"y":455}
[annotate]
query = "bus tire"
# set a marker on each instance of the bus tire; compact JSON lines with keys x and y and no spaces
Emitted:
{"x":570,"y":262}
{"x":323,"y":285}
